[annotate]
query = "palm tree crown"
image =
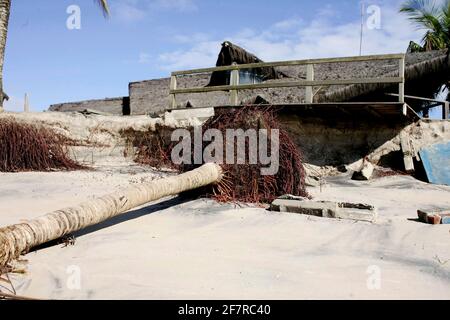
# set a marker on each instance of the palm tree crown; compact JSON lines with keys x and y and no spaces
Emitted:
{"x":432,"y":17}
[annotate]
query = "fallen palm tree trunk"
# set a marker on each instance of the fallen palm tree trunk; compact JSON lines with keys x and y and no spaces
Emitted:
{"x":19,"y":239}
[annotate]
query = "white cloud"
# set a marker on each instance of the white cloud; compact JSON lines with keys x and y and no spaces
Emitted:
{"x":136,"y":10}
{"x":179,"y":5}
{"x":202,"y":54}
{"x":14,"y":104}
{"x":128,"y":11}
{"x":144,"y":58}
{"x":293,"y":39}
{"x":288,"y":24}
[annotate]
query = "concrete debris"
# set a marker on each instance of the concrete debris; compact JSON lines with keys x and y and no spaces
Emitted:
{"x":365,"y":173}
{"x":325,"y":209}
{"x":407,"y":152}
{"x":434,"y":217}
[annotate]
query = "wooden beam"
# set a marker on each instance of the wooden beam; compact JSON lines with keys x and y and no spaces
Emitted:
{"x":292,"y":63}
{"x":416,"y":98}
{"x":234,"y":81}
{"x":401,"y":86}
{"x":172,"y":97}
{"x":445,"y":104}
{"x":309,"y":89}
{"x":300,"y":83}
{"x":407,"y":152}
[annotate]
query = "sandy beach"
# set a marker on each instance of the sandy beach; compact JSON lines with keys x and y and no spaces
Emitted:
{"x":199,"y":249}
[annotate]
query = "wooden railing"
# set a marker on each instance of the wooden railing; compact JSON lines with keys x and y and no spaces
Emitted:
{"x":234,"y":87}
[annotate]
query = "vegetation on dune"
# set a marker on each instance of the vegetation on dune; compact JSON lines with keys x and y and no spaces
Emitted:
{"x":26,"y":147}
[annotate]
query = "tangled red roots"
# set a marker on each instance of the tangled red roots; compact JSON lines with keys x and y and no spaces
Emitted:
{"x":27,"y":147}
{"x":242,"y":182}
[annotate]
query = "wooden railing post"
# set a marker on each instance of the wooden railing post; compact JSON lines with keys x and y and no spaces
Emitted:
{"x":401,"y":86}
{"x":234,"y":81}
{"x":309,"y":89}
{"x":172,"y":97}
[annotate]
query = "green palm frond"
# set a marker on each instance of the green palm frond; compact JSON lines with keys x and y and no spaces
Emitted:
{"x":434,"y":19}
{"x":104,"y":5}
{"x":445,"y":20}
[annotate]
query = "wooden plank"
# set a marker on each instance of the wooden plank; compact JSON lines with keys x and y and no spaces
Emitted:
{"x":416,"y":98}
{"x":345,"y":105}
{"x":401,"y":86}
{"x":172,"y":97}
{"x":290,"y":84}
{"x":309,"y":77}
{"x":234,"y":81}
{"x":292,"y":63}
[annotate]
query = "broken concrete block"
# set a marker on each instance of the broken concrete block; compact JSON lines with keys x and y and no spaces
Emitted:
{"x":365,"y":173}
{"x":435,"y":219}
{"x":358,"y":212}
{"x":326,"y":209}
{"x":310,"y":208}
{"x":407,"y":152}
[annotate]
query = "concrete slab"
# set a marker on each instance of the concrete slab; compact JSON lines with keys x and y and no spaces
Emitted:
{"x":357,"y":212}
{"x":326,"y":209}
{"x":311,"y":208}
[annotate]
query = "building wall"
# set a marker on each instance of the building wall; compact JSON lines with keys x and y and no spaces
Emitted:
{"x":152,"y":96}
{"x":115,"y":106}
{"x":149,"y":97}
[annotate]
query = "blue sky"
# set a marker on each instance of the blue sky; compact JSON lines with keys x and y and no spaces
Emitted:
{"x":147,"y":39}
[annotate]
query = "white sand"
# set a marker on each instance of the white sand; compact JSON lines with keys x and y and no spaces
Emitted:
{"x":204,"y":250}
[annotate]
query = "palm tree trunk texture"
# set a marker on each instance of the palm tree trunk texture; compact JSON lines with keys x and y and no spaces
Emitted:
{"x":5,"y":7}
{"x":19,"y":239}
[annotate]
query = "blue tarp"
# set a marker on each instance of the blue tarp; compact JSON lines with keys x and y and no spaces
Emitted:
{"x":436,"y":161}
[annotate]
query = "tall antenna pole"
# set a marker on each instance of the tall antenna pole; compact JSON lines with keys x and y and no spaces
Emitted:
{"x":363,"y":8}
{"x":26,"y":103}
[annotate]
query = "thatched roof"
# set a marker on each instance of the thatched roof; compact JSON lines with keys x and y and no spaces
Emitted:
{"x":232,"y":53}
{"x":425,"y":73}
